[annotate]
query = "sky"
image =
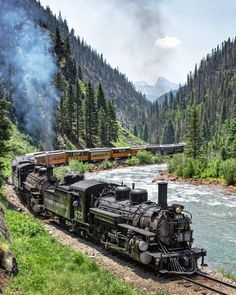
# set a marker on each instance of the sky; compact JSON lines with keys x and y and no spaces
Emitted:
{"x":147,"y":39}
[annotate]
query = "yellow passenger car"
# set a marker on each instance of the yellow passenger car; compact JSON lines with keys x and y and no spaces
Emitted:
{"x":98,"y":154}
{"x":78,"y":155}
{"x":120,"y":152}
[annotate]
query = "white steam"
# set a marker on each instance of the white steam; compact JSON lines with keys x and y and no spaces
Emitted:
{"x":28,"y":49}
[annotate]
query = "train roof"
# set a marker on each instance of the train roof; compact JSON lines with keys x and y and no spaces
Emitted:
{"x":25,"y":164}
{"x":86,"y":184}
{"x":94,"y":150}
{"x":138,"y":147}
{"x":22,"y":159}
{"x":77,"y":151}
{"x":121,"y":148}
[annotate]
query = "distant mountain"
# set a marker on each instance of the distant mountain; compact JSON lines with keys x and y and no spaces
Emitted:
{"x":152,"y":92}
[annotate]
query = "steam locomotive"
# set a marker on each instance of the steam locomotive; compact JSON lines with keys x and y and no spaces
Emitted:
{"x":120,"y":217}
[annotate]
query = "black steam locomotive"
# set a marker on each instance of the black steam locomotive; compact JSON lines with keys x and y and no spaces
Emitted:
{"x":121,"y":218}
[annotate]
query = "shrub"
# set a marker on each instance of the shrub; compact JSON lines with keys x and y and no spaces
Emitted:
{"x":1,"y":181}
{"x":60,"y":172}
{"x":145,"y":157}
{"x":188,"y":169}
{"x":212,"y":169}
{"x":74,"y":167}
{"x":106,"y":165}
{"x":77,"y":166}
{"x":228,"y":171}
{"x":132,"y":161}
{"x":199,"y":165}
{"x":158,"y":158}
{"x":175,"y":164}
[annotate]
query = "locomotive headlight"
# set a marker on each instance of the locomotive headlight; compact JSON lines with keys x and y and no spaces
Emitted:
{"x":143,"y":246}
{"x":178,"y":209}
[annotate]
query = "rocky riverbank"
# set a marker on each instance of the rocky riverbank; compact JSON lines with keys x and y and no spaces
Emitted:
{"x":166,"y":176}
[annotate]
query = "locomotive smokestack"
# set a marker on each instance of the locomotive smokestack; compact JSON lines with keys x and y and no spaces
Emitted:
{"x":49,"y":172}
{"x":162,"y":194}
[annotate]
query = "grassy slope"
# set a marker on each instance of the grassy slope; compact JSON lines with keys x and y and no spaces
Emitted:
{"x":46,"y":267}
{"x":18,"y":145}
{"x":126,"y":138}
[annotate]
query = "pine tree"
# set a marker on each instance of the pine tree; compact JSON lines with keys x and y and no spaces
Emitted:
{"x":79,"y":115}
{"x":101,"y":101}
{"x":71,"y":108}
{"x":69,"y":68}
{"x":90,"y":117}
{"x":135,"y":130}
{"x":145,"y":133}
{"x":169,"y":133}
{"x":231,"y":142}
{"x":113,"y":124}
{"x":4,"y":132}
{"x":103,"y":128}
{"x":59,"y":50}
{"x":80,"y":73}
{"x":194,"y":137}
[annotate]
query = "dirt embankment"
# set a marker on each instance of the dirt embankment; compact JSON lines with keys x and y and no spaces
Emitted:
{"x":125,"y":269}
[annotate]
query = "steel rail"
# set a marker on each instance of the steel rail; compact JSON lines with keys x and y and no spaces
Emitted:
{"x":216,"y":280}
{"x":217,"y":291}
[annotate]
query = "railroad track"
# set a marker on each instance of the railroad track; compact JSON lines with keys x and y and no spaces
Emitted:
{"x":211,"y":284}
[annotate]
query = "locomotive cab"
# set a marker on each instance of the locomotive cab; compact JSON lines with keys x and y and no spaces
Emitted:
{"x":87,"y":191}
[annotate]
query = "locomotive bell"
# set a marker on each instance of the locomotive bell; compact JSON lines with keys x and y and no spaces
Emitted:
{"x":162,"y":194}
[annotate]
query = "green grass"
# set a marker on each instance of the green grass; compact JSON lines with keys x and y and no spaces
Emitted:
{"x":18,"y":145}
{"x":227,"y":274}
{"x":47,"y":267}
{"x":126,"y":138}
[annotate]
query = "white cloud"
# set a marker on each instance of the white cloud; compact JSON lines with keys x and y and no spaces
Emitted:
{"x":168,"y":42}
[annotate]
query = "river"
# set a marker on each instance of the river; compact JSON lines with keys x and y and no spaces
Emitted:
{"x":213,"y":210}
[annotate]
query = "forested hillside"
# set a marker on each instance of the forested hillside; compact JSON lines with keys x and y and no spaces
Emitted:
{"x":211,"y":87}
{"x":130,"y":104}
{"x":61,"y":91}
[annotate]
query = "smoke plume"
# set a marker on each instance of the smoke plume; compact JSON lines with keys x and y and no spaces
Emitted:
{"x":27,"y":50}
{"x":125,"y":32}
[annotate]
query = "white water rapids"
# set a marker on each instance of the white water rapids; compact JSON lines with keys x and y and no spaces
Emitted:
{"x":213,"y":210}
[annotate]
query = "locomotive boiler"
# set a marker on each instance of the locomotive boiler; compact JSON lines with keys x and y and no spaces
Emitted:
{"x":119,"y":217}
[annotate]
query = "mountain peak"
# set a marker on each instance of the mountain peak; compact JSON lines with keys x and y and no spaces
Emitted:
{"x":152,"y":92}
